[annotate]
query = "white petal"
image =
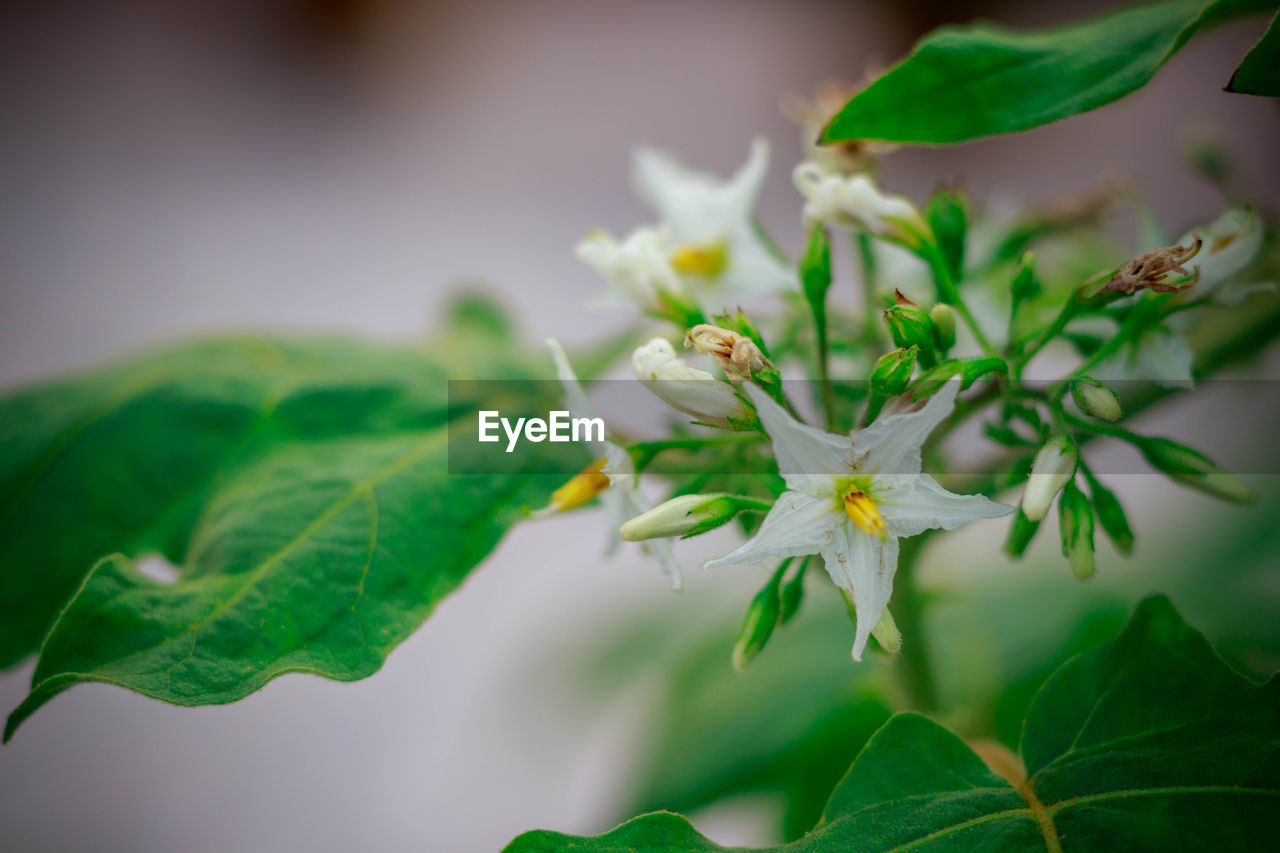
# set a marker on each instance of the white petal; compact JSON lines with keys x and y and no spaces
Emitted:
{"x":803,"y":452}
{"x":797,"y":524}
{"x":574,"y":396}
{"x":1164,"y":357}
{"x":913,"y":503}
{"x":753,"y":266}
{"x":661,"y":550}
{"x":892,"y":444}
{"x":864,"y":566}
{"x":618,"y":464}
{"x":697,"y":206}
{"x":1229,"y":244}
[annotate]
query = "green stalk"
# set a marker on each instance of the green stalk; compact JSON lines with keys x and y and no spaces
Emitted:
{"x":914,"y":665}
{"x":949,"y":293}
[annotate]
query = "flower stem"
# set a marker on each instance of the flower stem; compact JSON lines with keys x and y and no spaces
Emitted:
{"x":949,"y":293}
{"x":914,"y":666}
{"x":870,"y":305}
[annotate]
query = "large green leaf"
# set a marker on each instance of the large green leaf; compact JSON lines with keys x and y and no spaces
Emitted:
{"x":301,"y":487}
{"x":1150,"y":742}
{"x":1259,"y":72}
{"x":966,"y":82}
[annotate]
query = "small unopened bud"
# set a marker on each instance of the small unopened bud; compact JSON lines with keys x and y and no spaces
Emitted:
{"x":1195,"y":470}
{"x":1075,"y":522}
{"x":909,"y":326}
{"x":674,"y":517}
{"x":758,"y":623}
{"x":692,"y":391}
{"x":1021,"y":532}
{"x":1160,"y":270}
{"x":1096,"y":399}
{"x":944,"y":326}
{"x":892,"y":373}
{"x":1111,"y":515}
{"x":1053,"y":468}
{"x":815,"y":265}
{"x":737,"y":355}
{"x":1024,"y":285}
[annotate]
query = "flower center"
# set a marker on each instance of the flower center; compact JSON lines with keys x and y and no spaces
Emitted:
{"x":582,"y":488}
{"x":862,"y":511}
{"x":705,"y":260}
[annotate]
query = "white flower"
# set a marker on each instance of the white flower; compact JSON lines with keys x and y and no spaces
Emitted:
{"x":1053,"y":468}
{"x":717,"y":245}
{"x":855,"y":203}
{"x":850,"y":498}
{"x":692,"y":391}
{"x":639,"y":267}
{"x":1227,"y":245}
{"x":619,"y":493}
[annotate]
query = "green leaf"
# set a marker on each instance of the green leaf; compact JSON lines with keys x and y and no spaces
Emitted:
{"x":966,"y":82}
{"x":1259,"y":72}
{"x":301,"y":487}
{"x":1149,"y":742}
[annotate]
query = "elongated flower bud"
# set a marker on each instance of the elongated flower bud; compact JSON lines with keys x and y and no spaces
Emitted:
{"x":1111,"y":515}
{"x":1096,"y":399}
{"x":943,"y":317}
{"x":856,"y":203}
{"x":892,"y":373}
{"x":1021,"y":532}
{"x":758,"y":623}
{"x":1075,"y":521}
{"x":1052,"y":469}
{"x":692,"y":391}
{"x":1195,"y":470}
{"x":687,"y":515}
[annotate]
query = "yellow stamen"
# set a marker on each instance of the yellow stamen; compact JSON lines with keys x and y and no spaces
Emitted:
{"x":862,"y":512}
{"x":582,"y":488}
{"x":707,"y":260}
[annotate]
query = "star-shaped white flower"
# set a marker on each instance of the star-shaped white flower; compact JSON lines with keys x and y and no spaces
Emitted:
{"x":620,"y":495}
{"x":850,"y":498}
{"x":717,"y":246}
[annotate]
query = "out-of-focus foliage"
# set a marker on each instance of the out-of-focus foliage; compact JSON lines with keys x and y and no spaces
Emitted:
{"x":1148,"y":742}
{"x":300,"y":485}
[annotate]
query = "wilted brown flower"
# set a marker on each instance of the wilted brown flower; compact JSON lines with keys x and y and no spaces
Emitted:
{"x":737,"y":355}
{"x":1159,"y":270}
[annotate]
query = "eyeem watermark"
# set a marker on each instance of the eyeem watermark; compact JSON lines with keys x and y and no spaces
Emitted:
{"x":558,"y":426}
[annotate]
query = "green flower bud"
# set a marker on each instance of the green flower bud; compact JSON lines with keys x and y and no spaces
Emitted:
{"x":1111,"y":514}
{"x":1052,"y":469}
{"x":1021,"y":532}
{"x":1096,"y":399}
{"x":948,"y":219}
{"x":793,"y":593}
{"x":1024,"y":285}
{"x":815,"y":266}
{"x":944,"y":326}
{"x":1194,"y":470}
{"x":1075,"y":521}
{"x":887,"y":634}
{"x":910,"y":327}
{"x":758,"y":623}
{"x":892,"y":373}
{"x":680,"y":516}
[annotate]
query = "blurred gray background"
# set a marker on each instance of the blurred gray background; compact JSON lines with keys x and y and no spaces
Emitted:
{"x":172,"y":168}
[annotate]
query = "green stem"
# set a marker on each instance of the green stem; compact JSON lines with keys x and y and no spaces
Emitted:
{"x":871,"y":309}
{"x":949,"y":293}
{"x":824,"y":375}
{"x":914,"y":665}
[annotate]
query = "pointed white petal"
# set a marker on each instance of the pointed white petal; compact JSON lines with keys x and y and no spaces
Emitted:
{"x":738,"y":196}
{"x":864,"y":566}
{"x":661,"y":550}
{"x":797,"y":524}
{"x":574,"y":396}
{"x":618,"y":465}
{"x":807,"y":457}
{"x":892,"y":444}
{"x":913,"y":503}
